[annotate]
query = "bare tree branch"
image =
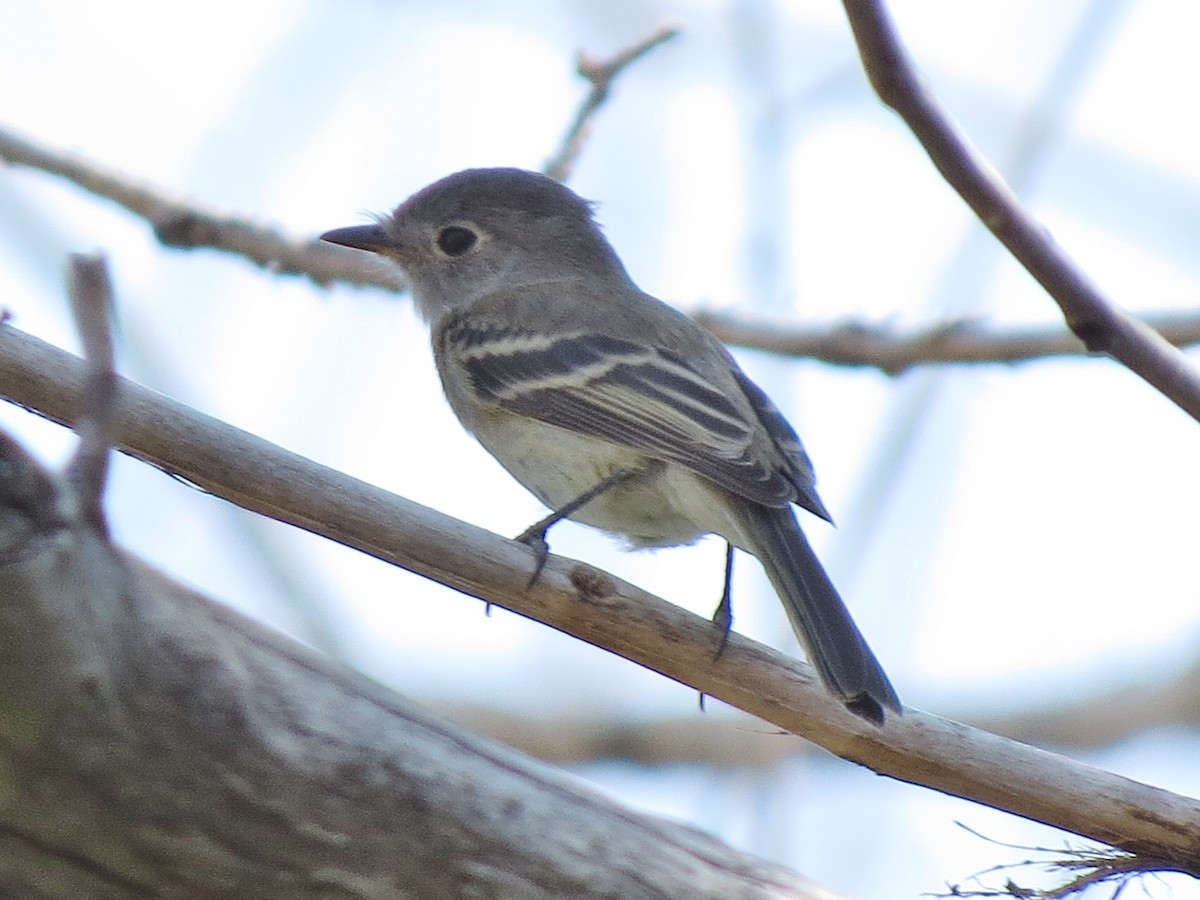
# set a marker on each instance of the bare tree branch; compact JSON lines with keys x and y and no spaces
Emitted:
{"x":1129,"y":707}
{"x":600,"y":74}
{"x":186,"y":225}
{"x":597,"y":607}
{"x":962,"y":342}
{"x":852,"y":344}
{"x":180,"y":224}
{"x":1101,"y":325}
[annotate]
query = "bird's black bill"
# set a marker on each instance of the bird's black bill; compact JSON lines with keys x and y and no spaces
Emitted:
{"x":360,"y":237}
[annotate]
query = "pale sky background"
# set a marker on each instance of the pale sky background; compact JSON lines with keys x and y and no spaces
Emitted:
{"x":1009,"y":536}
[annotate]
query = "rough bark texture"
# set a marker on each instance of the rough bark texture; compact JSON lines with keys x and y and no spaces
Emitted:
{"x":156,"y":744}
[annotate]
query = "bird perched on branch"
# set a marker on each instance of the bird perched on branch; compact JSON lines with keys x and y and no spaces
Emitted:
{"x":613,"y":408}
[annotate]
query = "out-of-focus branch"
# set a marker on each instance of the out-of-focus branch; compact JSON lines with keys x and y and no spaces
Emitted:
{"x":1132,"y":706}
{"x":185,"y":225}
{"x":181,"y":224}
{"x":1101,"y":325}
{"x":851,"y":344}
{"x":90,"y":293}
{"x":600,"y":73}
{"x":882,"y":347}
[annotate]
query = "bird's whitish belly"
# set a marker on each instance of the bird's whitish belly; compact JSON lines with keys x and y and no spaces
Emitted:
{"x":557,"y":466}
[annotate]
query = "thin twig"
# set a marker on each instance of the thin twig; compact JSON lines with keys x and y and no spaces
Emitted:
{"x":1092,"y":865}
{"x":600,"y":74}
{"x":1102,"y":326}
{"x":90,"y":292}
{"x":963,"y":341}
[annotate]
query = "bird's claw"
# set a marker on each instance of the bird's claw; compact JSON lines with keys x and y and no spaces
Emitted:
{"x":723,"y":618}
{"x":535,"y":539}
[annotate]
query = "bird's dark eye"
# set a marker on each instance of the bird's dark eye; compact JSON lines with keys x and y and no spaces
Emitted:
{"x":456,"y":240}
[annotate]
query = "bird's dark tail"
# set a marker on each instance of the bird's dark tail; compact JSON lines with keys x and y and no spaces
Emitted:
{"x":818,"y":615}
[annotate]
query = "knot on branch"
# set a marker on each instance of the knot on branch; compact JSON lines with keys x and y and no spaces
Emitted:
{"x":184,"y":228}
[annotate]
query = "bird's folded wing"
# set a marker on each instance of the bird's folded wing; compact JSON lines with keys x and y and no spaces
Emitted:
{"x":631,"y":394}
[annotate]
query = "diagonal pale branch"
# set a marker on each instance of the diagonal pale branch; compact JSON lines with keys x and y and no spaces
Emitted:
{"x":1162,"y":827}
{"x":1099,"y":323}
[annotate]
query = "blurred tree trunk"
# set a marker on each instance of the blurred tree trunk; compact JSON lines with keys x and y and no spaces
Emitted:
{"x":157,"y":744}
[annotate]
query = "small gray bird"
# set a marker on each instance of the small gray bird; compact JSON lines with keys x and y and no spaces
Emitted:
{"x":613,"y":408}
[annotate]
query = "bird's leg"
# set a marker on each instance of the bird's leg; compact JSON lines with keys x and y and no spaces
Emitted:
{"x":723,"y":615}
{"x":535,"y":535}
